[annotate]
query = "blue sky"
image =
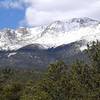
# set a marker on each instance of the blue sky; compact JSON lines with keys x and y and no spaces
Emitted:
{"x":9,"y":18}
{"x":12,"y":12}
{"x":16,"y":13}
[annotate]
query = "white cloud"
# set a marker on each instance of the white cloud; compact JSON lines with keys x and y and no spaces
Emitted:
{"x":18,"y":4}
{"x":44,"y":11}
{"x":39,"y":12}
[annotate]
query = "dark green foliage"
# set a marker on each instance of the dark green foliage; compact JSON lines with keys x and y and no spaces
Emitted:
{"x":12,"y":91}
{"x":80,"y":81}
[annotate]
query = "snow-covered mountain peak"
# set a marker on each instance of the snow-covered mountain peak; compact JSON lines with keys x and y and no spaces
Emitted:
{"x":57,"y":26}
{"x":77,"y":23}
{"x":70,"y":25}
{"x":55,"y":34}
{"x":82,"y":20}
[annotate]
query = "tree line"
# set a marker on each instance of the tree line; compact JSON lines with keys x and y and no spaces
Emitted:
{"x":79,"y":81}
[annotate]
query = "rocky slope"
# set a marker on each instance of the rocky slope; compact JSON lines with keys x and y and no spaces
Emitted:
{"x":39,"y":46}
{"x":52,"y":35}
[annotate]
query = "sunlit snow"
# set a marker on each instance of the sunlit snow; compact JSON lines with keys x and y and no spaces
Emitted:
{"x":52,"y":35}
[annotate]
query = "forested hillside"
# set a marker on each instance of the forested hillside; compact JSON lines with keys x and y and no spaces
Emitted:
{"x":79,"y":81}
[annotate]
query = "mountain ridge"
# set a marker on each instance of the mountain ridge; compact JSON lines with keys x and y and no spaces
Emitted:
{"x":53,"y":35}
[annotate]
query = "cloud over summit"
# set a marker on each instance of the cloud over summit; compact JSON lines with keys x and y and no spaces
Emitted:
{"x":38,"y":12}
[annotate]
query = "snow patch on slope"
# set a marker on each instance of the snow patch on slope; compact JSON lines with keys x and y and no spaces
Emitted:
{"x":11,"y":54}
{"x":52,"y":35}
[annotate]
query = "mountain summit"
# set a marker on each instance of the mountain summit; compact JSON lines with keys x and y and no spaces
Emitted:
{"x":53,"y":35}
